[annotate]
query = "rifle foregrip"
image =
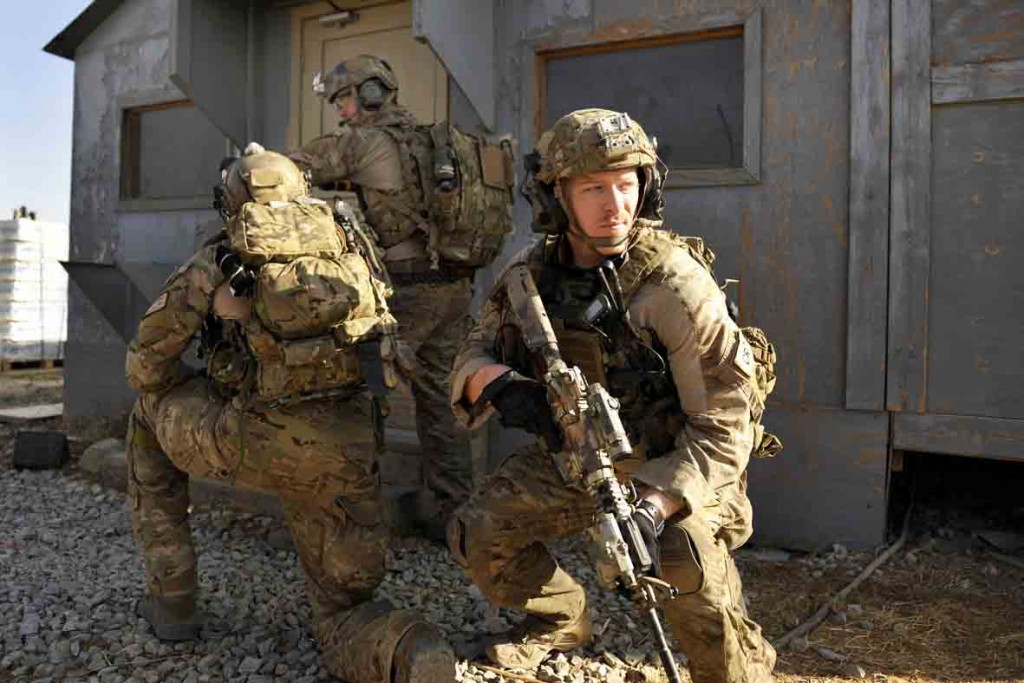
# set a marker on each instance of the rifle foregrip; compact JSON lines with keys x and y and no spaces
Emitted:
{"x":534,"y":324}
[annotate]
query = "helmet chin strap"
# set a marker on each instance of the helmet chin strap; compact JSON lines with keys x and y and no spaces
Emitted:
{"x":596,"y":243}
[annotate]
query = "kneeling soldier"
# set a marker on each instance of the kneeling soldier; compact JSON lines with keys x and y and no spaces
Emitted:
{"x":637,"y":309}
{"x":295,"y":328}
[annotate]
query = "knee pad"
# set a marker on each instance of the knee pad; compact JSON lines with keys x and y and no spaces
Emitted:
{"x":683,"y":559}
{"x":139,"y":436}
{"x":458,"y":537}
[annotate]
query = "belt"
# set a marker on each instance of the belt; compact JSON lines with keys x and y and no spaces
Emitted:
{"x":408,"y":264}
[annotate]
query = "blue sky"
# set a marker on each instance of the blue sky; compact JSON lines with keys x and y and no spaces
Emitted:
{"x":35,"y":110}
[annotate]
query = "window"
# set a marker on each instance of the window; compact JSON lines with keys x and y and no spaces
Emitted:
{"x":697,"y":93}
{"x":170,"y":155}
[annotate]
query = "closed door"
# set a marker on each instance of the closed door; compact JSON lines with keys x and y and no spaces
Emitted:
{"x":384,"y":31}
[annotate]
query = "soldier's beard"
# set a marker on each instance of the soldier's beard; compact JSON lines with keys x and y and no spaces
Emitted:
{"x":589,"y":250}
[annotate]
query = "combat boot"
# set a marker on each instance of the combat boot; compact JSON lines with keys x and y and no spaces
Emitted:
{"x":423,"y":656}
{"x":414,"y":513}
{"x":172,"y":619}
{"x":528,"y":648}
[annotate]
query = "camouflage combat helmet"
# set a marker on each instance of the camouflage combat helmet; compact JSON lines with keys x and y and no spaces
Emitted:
{"x":259,"y":176}
{"x":352,"y":73}
{"x":587,"y":141}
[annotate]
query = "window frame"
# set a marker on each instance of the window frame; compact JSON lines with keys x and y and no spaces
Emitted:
{"x":749,"y":170}
{"x":129,"y":109}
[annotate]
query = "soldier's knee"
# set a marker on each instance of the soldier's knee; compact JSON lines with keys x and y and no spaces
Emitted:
{"x":476,"y":548}
{"x":684,"y":559}
{"x":457,"y":538}
{"x":343,"y":550}
{"x":148,"y":468}
{"x":470,"y":542}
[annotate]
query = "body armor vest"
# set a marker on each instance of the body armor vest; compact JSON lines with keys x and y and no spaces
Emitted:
{"x":589,"y":317}
{"x":589,"y":314}
{"x":394,"y":214}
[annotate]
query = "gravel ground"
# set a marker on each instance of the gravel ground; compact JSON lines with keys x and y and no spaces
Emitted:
{"x":71,"y":574}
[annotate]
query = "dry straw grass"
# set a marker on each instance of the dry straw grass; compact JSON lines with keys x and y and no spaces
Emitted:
{"x":937,"y":616}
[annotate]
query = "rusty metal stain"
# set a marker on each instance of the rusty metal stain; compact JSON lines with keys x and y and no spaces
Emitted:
{"x":794,"y":70}
{"x":976,"y":201}
{"x":978,"y":157}
{"x":992,"y":249}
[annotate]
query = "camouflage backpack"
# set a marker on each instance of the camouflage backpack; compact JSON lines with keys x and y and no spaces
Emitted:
{"x":648,"y":253}
{"x":463,"y":184}
{"x":315,"y":298}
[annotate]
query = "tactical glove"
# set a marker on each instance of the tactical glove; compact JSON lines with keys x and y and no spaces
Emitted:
{"x":650,"y":523}
{"x":522,"y":403}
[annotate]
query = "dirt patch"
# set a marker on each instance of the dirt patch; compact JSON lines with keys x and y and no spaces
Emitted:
{"x":27,"y":387}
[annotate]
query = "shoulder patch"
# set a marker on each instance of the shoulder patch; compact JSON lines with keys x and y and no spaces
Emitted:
{"x":158,"y":305}
{"x":744,"y":358}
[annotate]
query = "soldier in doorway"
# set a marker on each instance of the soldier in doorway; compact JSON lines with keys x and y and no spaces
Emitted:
{"x":295,"y":330}
{"x":397,"y":169}
{"x":639,"y":311}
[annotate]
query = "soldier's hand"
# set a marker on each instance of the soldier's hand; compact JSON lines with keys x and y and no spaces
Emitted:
{"x":650,"y":524}
{"x":522,"y":403}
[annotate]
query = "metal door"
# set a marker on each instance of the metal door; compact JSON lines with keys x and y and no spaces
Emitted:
{"x":385,"y":31}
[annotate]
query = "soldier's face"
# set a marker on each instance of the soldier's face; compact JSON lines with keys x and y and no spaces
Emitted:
{"x":604,"y":205}
{"x":345,"y":107}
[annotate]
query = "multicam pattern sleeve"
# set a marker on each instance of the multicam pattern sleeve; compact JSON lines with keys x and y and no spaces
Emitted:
{"x":327,"y":157}
{"x":175,"y":316}
{"x":477,"y":350}
{"x":713,"y":371}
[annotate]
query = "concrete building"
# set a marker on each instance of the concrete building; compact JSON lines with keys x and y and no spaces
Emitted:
{"x":857,"y":165}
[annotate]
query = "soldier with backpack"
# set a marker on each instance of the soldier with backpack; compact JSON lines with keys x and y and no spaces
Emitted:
{"x":440,"y":202}
{"x":638,"y":310}
{"x":299,"y":345}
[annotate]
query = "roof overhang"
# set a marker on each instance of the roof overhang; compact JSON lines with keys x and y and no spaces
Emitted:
{"x":67,"y":41}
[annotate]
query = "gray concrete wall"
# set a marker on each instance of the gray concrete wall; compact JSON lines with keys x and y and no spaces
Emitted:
{"x":125,"y":62}
{"x":273,"y":76}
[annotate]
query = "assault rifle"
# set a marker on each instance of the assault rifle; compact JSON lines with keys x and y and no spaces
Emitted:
{"x":594,"y":439}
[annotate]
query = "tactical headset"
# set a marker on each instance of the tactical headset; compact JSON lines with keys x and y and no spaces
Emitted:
{"x":371,"y":94}
{"x":549,"y":216}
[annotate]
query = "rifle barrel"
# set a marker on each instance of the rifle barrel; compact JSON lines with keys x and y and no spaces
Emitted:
{"x":667,"y":660}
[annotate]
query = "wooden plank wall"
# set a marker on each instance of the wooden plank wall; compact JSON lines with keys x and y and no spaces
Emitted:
{"x":911,"y":206}
{"x":869,"y":206}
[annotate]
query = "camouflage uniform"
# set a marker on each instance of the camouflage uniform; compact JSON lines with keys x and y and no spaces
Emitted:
{"x":319,"y":456}
{"x":431,"y":305}
{"x":693,"y":435}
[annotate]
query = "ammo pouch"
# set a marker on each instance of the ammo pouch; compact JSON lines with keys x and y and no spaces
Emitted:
{"x":766,"y":444}
{"x":465,"y":185}
{"x":315,"y":299}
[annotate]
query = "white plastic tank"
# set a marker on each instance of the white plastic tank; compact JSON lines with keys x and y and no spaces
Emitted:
{"x":33,"y":289}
